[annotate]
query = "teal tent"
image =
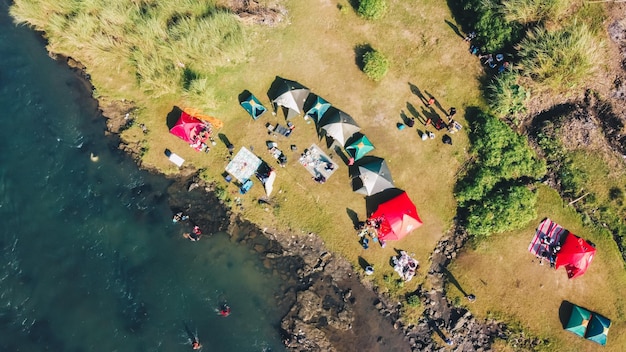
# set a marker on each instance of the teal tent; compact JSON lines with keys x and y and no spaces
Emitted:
{"x":315,"y":107}
{"x":359,"y":146}
{"x":578,"y":321}
{"x":598,"y":329}
{"x":253,"y":106}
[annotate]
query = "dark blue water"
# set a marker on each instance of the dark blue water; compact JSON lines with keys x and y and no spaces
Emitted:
{"x":89,"y":257}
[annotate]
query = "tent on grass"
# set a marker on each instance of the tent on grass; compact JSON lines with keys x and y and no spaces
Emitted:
{"x":576,"y":254}
{"x":397,"y":218}
{"x":195,"y":128}
{"x":315,"y":107}
{"x":358,"y":146}
{"x":338,"y":125}
{"x":290,"y":95}
{"x":371,"y":177}
{"x":252,"y":105}
{"x":578,"y":321}
{"x":598,"y":329}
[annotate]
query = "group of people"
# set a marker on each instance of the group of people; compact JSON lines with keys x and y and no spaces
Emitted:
{"x":195,"y":233}
{"x":200,"y":138}
{"x":369,"y":229}
{"x":552,"y":250}
{"x":496,"y":62}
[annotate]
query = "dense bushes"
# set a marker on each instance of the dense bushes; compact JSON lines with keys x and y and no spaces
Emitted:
{"x":494,"y":195}
{"x":493,"y":31}
{"x":372,"y":9}
{"x":375,"y":65}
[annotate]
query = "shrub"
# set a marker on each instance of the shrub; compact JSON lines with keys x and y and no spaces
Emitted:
{"x":505,"y":96}
{"x":505,"y":208}
{"x":413,"y":301}
{"x":375,"y":65}
{"x":493,"y":31}
{"x":560,"y":59}
{"x":493,"y":196}
{"x":372,"y":9}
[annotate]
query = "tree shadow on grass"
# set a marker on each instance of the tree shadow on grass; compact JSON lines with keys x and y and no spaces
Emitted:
{"x":359,"y":51}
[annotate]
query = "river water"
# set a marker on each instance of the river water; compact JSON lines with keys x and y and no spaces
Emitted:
{"x":90,"y":259}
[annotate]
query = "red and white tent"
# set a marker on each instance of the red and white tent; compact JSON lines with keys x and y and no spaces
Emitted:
{"x":575,"y":255}
{"x":397,"y":218}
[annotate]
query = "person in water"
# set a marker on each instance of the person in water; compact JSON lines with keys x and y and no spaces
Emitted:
{"x":225,"y":310}
{"x":195,"y":344}
{"x":192,"y":236}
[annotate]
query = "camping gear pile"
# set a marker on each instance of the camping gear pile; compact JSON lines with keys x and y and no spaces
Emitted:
{"x":405,"y":265}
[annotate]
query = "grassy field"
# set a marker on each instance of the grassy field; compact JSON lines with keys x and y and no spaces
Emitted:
{"x":319,"y":51}
{"x":317,"y":46}
{"x":508,"y":281}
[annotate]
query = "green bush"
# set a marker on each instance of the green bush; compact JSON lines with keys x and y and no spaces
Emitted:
{"x":493,"y":31}
{"x":561,"y":59}
{"x":375,"y":65}
{"x":372,"y":9}
{"x":503,"y":209}
{"x":493,"y":196}
{"x":413,"y":301}
{"x":505,"y":96}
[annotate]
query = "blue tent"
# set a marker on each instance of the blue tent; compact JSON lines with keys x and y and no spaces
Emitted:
{"x":253,"y":106}
{"x":598,"y":329}
{"x":316,"y":106}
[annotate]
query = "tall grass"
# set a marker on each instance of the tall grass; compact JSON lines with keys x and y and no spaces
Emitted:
{"x":152,"y":41}
{"x":562,"y":59}
{"x":506,"y":96}
{"x":534,"y":11}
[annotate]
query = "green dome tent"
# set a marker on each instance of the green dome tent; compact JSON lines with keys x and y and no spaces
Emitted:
{"x":252,"y":105}
{"x":360,"y":146}
{"x":598,"y":329}
{"x":315,"y":107}
{"x":578,"y":321}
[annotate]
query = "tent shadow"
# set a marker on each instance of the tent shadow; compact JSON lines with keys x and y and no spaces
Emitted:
{"x":341,"y":155}
{"x":372,"y":202}
{"x":243,"y":96}
{"x":173,"y":116}
{"x":565,"y":311}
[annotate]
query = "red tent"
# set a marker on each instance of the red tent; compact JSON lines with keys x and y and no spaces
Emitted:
{"x":397,"y":217}
{"x":195,"y":128}
{"x":575,"y":255}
